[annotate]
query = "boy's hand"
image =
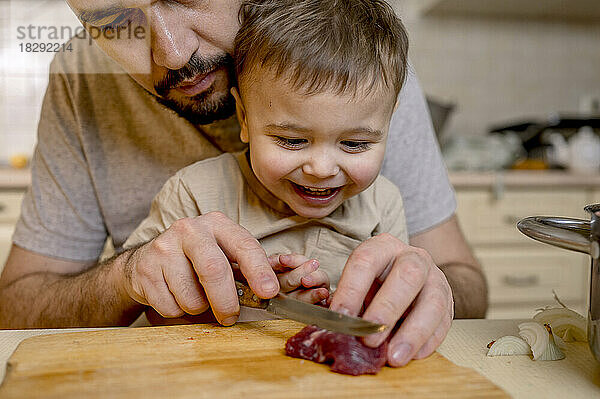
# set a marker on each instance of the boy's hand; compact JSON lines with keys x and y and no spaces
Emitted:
{"x":300,"y":277}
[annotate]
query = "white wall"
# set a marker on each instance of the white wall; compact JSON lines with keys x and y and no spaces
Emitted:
{"x":23,"y":75}
{"x":499,"y":69}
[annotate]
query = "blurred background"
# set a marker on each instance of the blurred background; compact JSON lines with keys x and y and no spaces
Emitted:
{"x":531,"y":68}
{"x":506,"y":60}
{"x":484,"y":65}
{"x":514,"y":91}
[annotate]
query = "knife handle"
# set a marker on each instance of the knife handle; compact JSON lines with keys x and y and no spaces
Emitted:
{"x":249,"y":298}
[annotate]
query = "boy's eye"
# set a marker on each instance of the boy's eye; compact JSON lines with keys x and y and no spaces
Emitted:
{"x":291,"y":143}
{"x":355,"y":146}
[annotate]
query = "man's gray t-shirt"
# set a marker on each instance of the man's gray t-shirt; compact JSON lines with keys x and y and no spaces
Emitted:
{"x":106,"y":146}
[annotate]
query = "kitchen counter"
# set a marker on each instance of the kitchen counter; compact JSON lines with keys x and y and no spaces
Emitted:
{"x":577,"y":376}
{"x":523,"y":179}
{"x":14,"y":179}
{"x":21,"y":178}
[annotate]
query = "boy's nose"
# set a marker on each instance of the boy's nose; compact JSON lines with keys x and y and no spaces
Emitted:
{"x":321,"y":166}
{"x":172,"y":42}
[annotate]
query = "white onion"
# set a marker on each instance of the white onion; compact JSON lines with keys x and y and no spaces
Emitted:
{"x":540,"y":340}
{"x":509,"y":345}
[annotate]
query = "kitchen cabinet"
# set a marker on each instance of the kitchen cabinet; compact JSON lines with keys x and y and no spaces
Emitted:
{"x":10,"y":209}
{"x":521,"y":272}
{"x":595,"y":196}
{"x":13,"y":183}
{"x":556,"y":10}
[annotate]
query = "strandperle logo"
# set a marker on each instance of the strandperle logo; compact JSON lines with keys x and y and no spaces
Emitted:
{"x":63,"y":33}
{"x":54,"y":39}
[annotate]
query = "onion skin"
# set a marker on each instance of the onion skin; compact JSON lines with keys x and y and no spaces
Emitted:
{"x":567,"y":324}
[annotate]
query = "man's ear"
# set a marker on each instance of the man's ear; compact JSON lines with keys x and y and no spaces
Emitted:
{"x":241,"y":115}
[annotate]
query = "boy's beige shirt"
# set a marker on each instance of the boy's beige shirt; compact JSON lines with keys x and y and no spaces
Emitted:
{"x":228,"y":185}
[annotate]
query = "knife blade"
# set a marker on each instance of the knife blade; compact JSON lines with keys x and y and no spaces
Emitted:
{"x":284,"y":306}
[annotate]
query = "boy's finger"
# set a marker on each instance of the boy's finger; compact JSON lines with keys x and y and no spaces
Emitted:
{"x":315,"y":295}
{"x":283,"y":263}
{"x":293,"y":279}
{"x":276,"y":264}
{"x":317,"y":278}
{"x":292,"y":260}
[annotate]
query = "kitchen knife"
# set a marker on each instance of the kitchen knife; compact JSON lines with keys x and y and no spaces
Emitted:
{"x":286,"y":307}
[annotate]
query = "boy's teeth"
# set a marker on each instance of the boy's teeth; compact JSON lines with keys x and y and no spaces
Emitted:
{"x":318,"y":191}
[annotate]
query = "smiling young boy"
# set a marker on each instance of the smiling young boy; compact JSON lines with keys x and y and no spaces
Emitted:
{"x":317,"y":86}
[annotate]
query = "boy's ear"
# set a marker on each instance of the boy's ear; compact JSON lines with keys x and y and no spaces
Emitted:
{"x":241,"y":115}
{"x":396,"y":104}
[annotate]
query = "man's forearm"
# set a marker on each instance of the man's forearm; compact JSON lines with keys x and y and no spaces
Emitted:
{"x":469,"y":289}
{"x":93,"y":298}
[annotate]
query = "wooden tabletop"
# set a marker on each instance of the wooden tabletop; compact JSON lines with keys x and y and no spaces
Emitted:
{"x":577,"y":376}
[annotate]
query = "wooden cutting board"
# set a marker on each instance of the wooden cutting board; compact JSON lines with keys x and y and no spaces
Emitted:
{"x":210,"y":361}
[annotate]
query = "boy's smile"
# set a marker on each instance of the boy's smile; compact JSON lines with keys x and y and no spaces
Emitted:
{"x":312,"y":151}
{"x":317,"y":196}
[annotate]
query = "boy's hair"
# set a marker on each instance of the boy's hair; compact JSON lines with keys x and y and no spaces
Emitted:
{"x":341,"y":46}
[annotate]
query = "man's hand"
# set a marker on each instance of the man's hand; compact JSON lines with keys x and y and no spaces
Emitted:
{"x":187,"y":268}
{"x":397,"y":280}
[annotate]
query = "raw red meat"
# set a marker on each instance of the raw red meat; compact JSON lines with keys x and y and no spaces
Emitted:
{"x":348,"y":354}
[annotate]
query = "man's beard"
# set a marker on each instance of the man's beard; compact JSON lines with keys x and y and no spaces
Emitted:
{"x":200,"y":109}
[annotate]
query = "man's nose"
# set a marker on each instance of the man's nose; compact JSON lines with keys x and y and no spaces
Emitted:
{"x":321,"y":165}
{"x":173,"y":43}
